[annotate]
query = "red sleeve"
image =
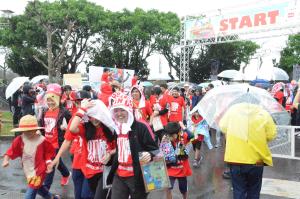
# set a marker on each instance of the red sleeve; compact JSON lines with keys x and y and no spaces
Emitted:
{"x":70,"y":136}
{"x":80,"y":126}
{"x":49,"y":151}
{"x":149,"y":108}
{"x":15,"y":150}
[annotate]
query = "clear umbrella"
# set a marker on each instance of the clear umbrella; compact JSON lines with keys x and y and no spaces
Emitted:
{"x":230,"y":74}
{"x":15,"y":84}
{"x":218,"y":100}
{"x":279,"y":75}
{"x":38,"y":78}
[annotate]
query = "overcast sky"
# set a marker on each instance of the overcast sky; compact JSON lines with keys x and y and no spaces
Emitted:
{"x":182,"y":8}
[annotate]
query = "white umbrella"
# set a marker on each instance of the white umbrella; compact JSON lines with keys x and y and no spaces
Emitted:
{"x":15,"y":85}
{"x":279,"y":75}
{"x":230,"y":74}
{"x":38,"y":78}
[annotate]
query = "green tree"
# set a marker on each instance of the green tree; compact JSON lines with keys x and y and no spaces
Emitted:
{"x":58,"y":34}
{"x":131,"y":37}
{"x":290,"y":55}
{"x":225,"y":55}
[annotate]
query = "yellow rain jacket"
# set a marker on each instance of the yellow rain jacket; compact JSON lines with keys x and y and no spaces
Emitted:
{"x":248,"y":130}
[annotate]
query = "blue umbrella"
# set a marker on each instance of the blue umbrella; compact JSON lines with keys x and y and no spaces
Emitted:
{"x":261,"y":83}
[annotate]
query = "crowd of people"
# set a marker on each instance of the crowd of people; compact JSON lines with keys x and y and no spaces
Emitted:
{"x":117,"y":127}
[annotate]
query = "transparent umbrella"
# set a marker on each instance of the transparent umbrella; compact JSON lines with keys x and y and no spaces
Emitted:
{"x":279,"y":75}
{"x":15,"y":84}
{"x":230,"y":74}
{"x":219,"y":100}
{"x":38,"y":78}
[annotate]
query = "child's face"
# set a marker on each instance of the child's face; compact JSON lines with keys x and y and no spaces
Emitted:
{"x":30,"y":134}
{"x":51,"y":103}
{"x":175,"y":93}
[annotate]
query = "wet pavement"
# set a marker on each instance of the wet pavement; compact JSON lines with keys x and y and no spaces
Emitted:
{"x":205,"y":183}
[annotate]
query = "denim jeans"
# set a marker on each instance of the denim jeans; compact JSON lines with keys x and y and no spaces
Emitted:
{"x":246,"y":181}
{"x":81,"y":186}
{"x":42,"y":191}
{"x":63,"y":170}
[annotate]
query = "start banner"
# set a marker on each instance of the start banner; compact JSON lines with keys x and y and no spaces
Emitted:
{"x":258,"y":17}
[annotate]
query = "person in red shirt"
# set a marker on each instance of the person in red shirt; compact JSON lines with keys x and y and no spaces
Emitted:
{"x":198,"y":138}
{"x":177,"y":106}
{"x":55,"y":120}
{"x":179,"y":137}
{"x":81,"y":187}
{"x":98,"y":144}
{"x":68,"y":99}
{"x":141,"y":107}
{"x":134,"y":80}
{"x":106,"y":76}
{"x":35,"y":152}
{"x":161,"y":109}
{"x":134,"y":145}
{"x":279,"y":96}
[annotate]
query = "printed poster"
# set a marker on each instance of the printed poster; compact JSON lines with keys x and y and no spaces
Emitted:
{"x":155,"y":175}
{"x":123,"y":76}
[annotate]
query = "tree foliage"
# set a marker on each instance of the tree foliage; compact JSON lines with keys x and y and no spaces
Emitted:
{"x":55,"y":34}
{"x":131,"y":37}
{"x":55,"y":37}
{"x":290,"y":55}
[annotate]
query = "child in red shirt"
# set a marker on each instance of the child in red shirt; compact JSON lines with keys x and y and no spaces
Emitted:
{"x":181,"y":169}
{"x":35,"y":152}
{"x":198,"y":138}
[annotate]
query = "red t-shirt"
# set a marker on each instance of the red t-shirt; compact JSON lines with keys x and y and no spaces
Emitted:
{"x":163,"y":104}
{"x":125,"y":168}
{"x":279,"y":96}
{"x":134,"y":81}
{"x":182,"y":169}
{"x":152,"y":100}
{"x":93,"y":151}
{"x":195,"y":121}
{"x":104,"y":77}
{"x":51,"y":131}
{"x":76,"y":148}
{"x":144,"y":112}
{"x":176,"y":105}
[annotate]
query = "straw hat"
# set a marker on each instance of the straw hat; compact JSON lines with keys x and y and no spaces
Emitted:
{"x":27,"y":123}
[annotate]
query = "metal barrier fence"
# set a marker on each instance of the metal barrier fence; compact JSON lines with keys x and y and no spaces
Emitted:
{"x":286,"y":143}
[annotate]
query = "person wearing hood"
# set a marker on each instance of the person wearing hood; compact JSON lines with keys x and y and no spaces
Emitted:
{"x":28,"y":99}
{"x":134,"y":145}
{"x":54,"y":119}
{"x":141,"y":107}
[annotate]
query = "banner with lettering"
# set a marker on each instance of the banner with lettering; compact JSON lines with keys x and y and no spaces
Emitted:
{"x":259,"y":17}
